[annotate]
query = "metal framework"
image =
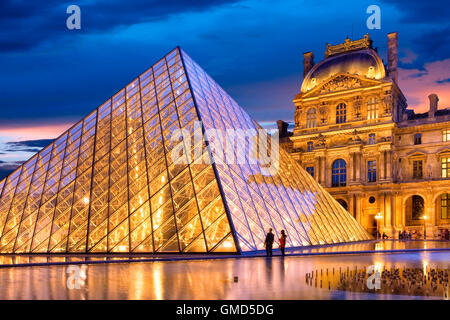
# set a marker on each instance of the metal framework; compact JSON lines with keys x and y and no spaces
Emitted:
{"x":109,"y":183}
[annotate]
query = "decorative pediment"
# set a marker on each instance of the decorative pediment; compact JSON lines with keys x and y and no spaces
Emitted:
{"x":416,"y":155}
{"x":340,"y":82}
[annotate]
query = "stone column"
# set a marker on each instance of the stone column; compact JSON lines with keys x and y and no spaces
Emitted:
{"x":388,"y":213}
{"x":351,"y":167}
{"x":398,"y":211}
{"x":321,"y":173}
{"x":358,"y":208}
{"x":358,"y":167}
{"x":389,"y":165}
{"x":382,"y":161}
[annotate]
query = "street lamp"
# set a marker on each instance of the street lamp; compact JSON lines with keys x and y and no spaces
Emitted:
{"x":378,"y":217}
{"x":424,"y":227}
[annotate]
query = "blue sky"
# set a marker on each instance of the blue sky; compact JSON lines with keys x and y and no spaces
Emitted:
{"x":51,"y":77}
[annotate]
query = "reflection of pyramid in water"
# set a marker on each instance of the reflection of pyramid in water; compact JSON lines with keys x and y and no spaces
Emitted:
{"x":108,"y":184}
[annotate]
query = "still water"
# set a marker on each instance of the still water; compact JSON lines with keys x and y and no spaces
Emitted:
{"x":419,"y":275}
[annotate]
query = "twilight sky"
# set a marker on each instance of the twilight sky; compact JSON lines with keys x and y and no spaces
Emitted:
{"x":51,"y":77}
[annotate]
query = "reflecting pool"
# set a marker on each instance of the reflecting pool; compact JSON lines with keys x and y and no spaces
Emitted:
{"x":291,"y":277}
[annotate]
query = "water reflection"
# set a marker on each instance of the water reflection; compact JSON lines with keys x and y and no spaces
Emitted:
{"x":308,"y":277}
{"x":429,"y":282}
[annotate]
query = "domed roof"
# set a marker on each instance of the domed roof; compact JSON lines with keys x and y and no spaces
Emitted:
{"x":364,"y":63}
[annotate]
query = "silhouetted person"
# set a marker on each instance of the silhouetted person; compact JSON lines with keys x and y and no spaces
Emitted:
{"x":268,"y":243}
{"x":283,"y":242}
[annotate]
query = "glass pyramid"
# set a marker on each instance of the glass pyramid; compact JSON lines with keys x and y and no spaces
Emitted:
{"x":110,"y":183}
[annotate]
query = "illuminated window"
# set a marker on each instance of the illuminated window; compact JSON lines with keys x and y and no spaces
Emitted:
{"x":372,"y":108}
{"x":445,"y":167}
{"x":446,"y":135}
{"x":339,"y":173}
{"x":418,"y":138}
{"x":310,"y":170}
{"x":417,"y":169}
{"x":372,"y":138}
{"x":310,"y":146}
{"x":341,"y":113}
{"x":445,"y":198}
{"x":311,"y":118}
{"x":372,"y":171}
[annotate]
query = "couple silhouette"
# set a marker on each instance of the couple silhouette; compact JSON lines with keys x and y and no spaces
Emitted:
{"x":268,"y":243}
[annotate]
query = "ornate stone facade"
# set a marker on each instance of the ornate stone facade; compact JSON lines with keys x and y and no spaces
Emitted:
{"x":354,"y":134}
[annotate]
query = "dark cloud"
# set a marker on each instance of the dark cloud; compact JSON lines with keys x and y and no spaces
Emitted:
{"x":433,"y":44}
{"x":6,"y":169}
{"x":27,"y":145}
{"x":443,"y":81}
{"x":417,"y":12}
{"x":26,"y":24}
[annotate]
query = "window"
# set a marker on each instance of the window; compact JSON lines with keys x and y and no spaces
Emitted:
{"x":341,"y":113}
{"x":446,"y":135}
{"x":310,"y":147}
{"x":311,"y":118}
{"x":372,"y":108}
{"x":417,"y":169}
{"x":445,"y":166}
{"x":418,"y":138}
{"x":372,"y":138}
{"x":339,"y":173}
{"x":445,"y":212}
{"x":372,"y":171}
{"x":417,"y":207}
{"x":310,"y":170}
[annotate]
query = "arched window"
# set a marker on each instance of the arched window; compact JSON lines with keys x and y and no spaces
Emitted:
{"x":311,"y":118}
{"x":310,"y":146}
{"x":418,"y":205}
{"x":372,"y":108}
{"x":339,"y":173}
{"x":343,"y":203}
{"x":341,"y":113}
{"x":445,"y":206}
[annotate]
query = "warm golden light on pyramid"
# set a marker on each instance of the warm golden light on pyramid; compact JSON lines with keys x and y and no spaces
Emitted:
{"x":109,"y":183}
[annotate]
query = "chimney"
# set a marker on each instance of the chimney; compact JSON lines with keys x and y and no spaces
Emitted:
{"x":282,"y":128}
{"x":308,"y":62}
{"x":433,"y":104}
{"x":393,"y":55}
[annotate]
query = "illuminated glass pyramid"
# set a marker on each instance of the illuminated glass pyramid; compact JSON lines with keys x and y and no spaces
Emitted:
{"x":109,"y":184}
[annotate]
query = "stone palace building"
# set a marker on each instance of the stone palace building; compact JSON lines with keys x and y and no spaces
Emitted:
{"x":355,"y":135}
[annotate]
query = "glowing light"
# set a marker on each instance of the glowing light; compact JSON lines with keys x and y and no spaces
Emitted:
{"x":425,"y":266}
{"x":227,"y":244}
{"x":379,"y":266}
{"x":86,"y":200}
{"x":158,"y":282}
{"x":163,"y":179}
{"x":123,"y":248}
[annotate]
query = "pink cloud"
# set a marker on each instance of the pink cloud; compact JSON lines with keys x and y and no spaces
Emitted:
{"x":418,"y":84}
{"x":33,"y":131}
